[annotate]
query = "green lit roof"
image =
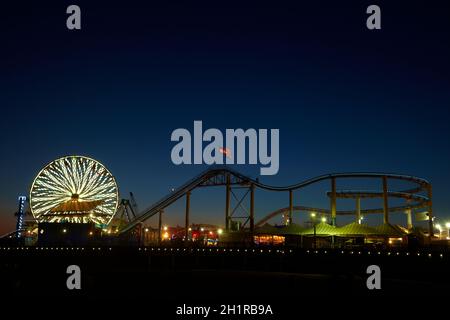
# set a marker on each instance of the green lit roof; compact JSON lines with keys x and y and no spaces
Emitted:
{"x":389,"y":230}
{"x":356,"y":229}
{"x":322,"y":230}
{"x":266,"y":229}
{"x":293,"y":228}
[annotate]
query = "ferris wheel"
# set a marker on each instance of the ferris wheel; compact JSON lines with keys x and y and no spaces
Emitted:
{"x":74,"y":189}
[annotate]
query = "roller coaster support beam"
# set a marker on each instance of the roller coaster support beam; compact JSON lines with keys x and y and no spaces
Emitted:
{"x":430,"y":211}
{"x":385,"y":200}
{"x":227,"y":204}
{"x":333,"y":201}
{"x":252,"y":207}
{"x":188,"y":208}
{"x":358,"y":210}
{"x":291,"y":206}
{"x":409,"y":222}
{"x":160,"y":225}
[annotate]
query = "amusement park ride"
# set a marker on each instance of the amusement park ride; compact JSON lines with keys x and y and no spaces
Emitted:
{"x":78,"y":189}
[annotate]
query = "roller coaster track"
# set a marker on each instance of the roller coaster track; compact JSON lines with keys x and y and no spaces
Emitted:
{"x":215,"y":176}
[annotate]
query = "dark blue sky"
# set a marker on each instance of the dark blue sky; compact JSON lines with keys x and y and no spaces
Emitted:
{"x":344,"y":98}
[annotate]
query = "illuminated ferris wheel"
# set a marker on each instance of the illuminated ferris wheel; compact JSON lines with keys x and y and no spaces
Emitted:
{"x":74,"y":189}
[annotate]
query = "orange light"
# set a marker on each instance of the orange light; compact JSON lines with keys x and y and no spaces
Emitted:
{"x":226,"y":152}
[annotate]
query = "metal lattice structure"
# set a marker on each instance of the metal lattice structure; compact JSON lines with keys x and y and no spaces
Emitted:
{"x":74,"y":189}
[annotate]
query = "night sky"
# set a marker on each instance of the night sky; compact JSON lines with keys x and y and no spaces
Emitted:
{"x":344,"y":98}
